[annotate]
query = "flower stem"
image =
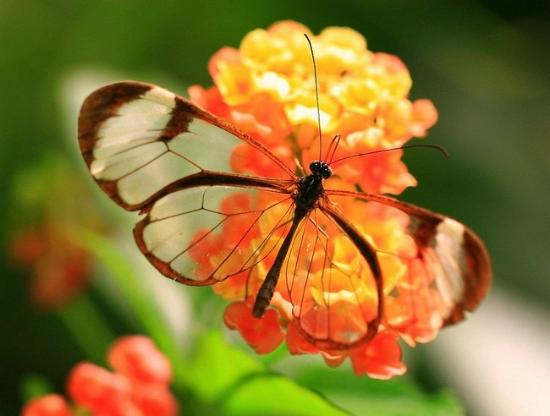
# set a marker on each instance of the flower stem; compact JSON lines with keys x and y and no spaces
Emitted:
{"x":88,"y":327}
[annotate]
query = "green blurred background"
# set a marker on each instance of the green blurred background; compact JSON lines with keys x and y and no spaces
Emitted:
{"x":485,"y":64}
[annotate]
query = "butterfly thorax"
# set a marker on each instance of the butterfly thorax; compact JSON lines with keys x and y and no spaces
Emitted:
{"x":310,"y":187}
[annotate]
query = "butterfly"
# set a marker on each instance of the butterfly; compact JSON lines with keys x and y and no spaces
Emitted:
{"x":285,"y":233}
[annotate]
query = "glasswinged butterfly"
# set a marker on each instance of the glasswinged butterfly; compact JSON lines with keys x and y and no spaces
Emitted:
{"x":206,"y":219}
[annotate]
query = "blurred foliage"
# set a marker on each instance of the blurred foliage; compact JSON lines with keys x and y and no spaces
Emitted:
{"x":484,"y":64}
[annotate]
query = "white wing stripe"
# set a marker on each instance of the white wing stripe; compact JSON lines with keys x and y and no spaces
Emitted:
{"x":448,"y":249}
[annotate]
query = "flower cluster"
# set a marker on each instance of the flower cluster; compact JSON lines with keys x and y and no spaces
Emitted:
{"x":60,"y":267}
{"x":267,"y":89}
{"x":139,"y":385}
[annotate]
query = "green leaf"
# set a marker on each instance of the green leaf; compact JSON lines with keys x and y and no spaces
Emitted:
{"x":235,"y":383}
{"x":365,"y":396}
{"x":33,"y":386}
{"x":276,"y":395}
{"x":439,"y":404}
{"x":217,"y":366}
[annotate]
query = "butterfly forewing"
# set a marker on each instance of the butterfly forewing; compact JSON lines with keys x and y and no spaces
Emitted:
{"x":141,"y":142}
{"x":448,"y":261}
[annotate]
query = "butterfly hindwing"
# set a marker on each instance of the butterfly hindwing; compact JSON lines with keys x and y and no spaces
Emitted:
{"x":206,"y":234}
{"x":332,"y":281}
{"x":453,"y":259}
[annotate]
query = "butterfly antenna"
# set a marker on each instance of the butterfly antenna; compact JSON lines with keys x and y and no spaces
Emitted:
{"x":442,"y":149}
{"x":316,"y":94}
{"x":330,"y":146}
{"x":330,"y":155}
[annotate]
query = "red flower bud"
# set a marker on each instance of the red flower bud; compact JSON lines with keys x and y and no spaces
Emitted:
{"x":137,"y":358}
{"x":98,"y":390}
{"x":49,"y":405}
{"x":154,"y":400}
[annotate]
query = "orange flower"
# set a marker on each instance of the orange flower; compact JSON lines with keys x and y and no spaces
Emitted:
{"x":266,"y":88}
{"x":138,"y":387}
{"x":381,"y":358}
{"x":264,"y":334}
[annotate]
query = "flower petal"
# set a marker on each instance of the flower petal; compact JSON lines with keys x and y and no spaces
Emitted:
{"x":139,"y":359}
{"x":381,"y":358}
{"x":263,"y":334}
{"x":97,"y":389}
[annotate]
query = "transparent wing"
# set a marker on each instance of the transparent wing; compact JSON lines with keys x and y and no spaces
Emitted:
{"x":190,"y":174}
{"x":206,"y":234}
{"x":328,"y":287}
{"x":448,"y":270}
{"x":142,"y":142}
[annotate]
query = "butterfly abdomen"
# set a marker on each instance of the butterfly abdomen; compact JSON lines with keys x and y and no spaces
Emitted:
{"x":265,"y":293}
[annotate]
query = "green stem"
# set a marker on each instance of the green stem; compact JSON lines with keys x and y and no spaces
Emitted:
{"x":88,"y":328}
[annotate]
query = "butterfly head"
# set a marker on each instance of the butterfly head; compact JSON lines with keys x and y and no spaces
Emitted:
{"x":321,"y":169}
